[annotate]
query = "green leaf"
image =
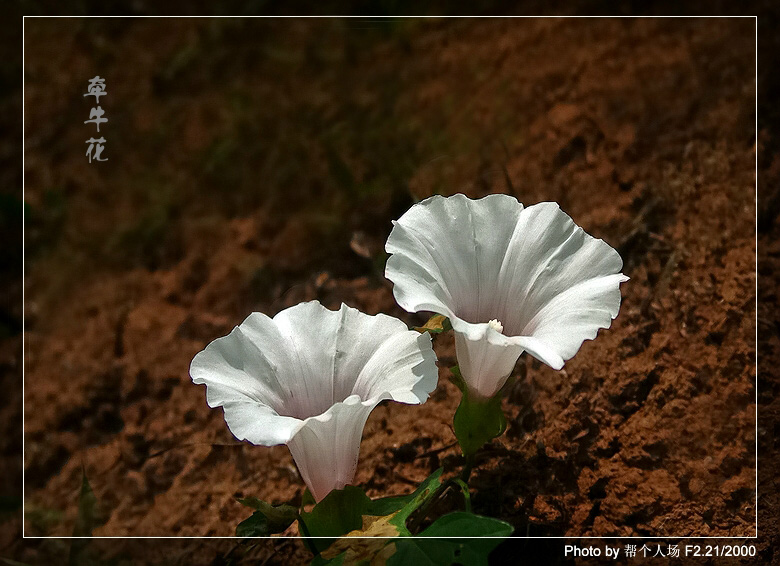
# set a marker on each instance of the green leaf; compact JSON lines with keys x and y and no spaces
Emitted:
{"x":345,"y":510}
{"x":340,"y":512}
{"x":463,"y":524}
{"x":407,"y":503}
{"x":428,"y":489}
{"x":478,"y":421}
{"x":307,"y":498}
{"x":266,"y":520}
{"x":254,"y":526}
{"x":350,"y":509}
{"x":426,"y":550}
{"x":388,"y":505}
{"x":251,"y":502}
{"x":437,"y":324}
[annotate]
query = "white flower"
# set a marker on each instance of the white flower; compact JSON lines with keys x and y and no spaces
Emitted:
{"x":509,"y":279}
{"x":309,"y":378}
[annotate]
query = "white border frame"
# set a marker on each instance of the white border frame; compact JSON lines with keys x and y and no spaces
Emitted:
{"x":755,"y":384}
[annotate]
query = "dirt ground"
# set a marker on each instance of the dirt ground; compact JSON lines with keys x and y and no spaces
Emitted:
{"x":257,"y":164}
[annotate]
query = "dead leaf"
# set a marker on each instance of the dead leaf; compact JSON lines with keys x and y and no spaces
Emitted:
{"x":375,"y":550}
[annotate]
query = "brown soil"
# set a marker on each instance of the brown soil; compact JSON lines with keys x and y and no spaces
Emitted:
{"x":246,"y":178}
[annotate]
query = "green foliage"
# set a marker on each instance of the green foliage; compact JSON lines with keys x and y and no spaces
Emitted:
{"x":421,"y":496}
{"x":478,"y":421}
{"x":468,"y":525}
{"x":342,"y":511}
{"x":464,"y":490}
{"x":456,"y":538}
{"x":307,"y":498}
{"x":266,"y":520}
{"x":347,"y":527}
{"x":425,"y":550}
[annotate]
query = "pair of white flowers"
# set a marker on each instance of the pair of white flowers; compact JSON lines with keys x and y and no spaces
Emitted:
{"x":509,"y":278}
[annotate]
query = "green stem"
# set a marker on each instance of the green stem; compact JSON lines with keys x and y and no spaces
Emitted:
{"x":464,"y":488}
{"x":421,"y":513}
{"x":465,"y":473}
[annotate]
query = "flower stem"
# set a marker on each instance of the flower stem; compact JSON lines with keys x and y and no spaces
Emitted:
{"x":465,"y":473}
{"x":464,"y":488}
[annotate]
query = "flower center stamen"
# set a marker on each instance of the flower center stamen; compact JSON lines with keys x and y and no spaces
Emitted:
{"x":496,"y":325}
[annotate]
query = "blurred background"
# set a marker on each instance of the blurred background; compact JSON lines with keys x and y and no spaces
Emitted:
{"x":256,"y":163}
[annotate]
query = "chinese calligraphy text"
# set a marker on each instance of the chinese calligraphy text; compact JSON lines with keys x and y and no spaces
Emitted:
{"x":96,"y":88}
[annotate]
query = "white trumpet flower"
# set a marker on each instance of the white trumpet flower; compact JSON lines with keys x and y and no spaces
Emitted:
{"x":510,"y":279}
{"x":309,"y":377}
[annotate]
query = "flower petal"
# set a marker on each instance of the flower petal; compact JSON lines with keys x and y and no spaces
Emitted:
{"x":259,"y":424}
{"x":533,"y":270}
{"x":241,"y":378}
{"x":363,"y":338}
{"x":547,"y":255}
{"x":309,"y":377}
{"x":403,"y":368}
{"x":235,"y":362}
{"x":326,"y":448}
{"x":559,"y":285}
{"x":311,"y":333}
{"x":573,"y":316}
{"x":485,"y":364}
{"x":328,"y":359}
{"x":447,"y":253}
